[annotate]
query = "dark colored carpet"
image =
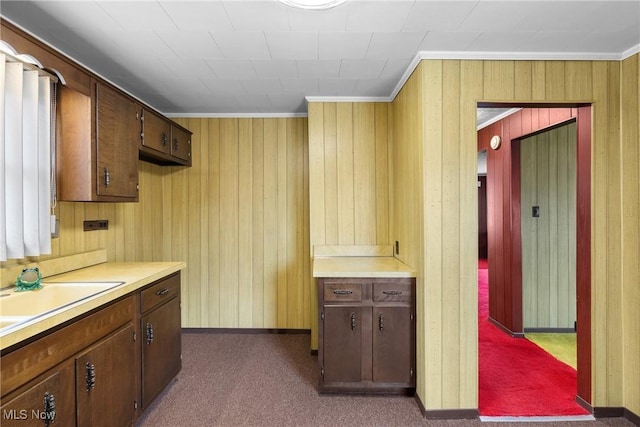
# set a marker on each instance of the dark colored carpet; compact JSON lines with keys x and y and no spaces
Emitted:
{"x":270,"y":380}
{"x":516,"y":377}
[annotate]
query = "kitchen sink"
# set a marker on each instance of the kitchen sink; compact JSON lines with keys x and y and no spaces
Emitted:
{"x":19,"y":307}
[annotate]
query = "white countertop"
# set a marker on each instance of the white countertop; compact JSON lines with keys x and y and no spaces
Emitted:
{"x":135,"y":275}
{"x":354,"y":266}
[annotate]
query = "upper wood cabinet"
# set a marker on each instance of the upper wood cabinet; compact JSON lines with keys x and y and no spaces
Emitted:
{"x":162,"y":141}
{"x":97,"y":145}
{"x":100,"y":133}
{"x":75,"y":76}
{"x":181,"y":144}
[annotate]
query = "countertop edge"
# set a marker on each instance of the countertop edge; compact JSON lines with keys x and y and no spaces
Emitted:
{"x":361,"y":267}
{"x":152,"y":271}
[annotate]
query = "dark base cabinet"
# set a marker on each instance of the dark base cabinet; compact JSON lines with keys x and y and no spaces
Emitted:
{"x":161,"y":342}
{"x":105,"y":395}
{"x":366,"y":335}
{"x":95,"y":369}
{"x":49,"y":400}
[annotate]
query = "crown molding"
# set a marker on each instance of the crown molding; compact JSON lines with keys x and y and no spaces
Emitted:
{"x":630,"y":52}
{"x":235,"y":115}
{"x":347,"y":98}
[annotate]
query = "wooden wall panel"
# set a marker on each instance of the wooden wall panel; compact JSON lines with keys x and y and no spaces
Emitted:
{"x":248,"y":192}
{"x":407,"y":193}
{"x":349,"y":171}
{"x":630,"y":138}
{"x":548,"y":180}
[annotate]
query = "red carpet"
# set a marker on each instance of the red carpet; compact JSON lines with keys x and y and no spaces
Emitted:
{"x":518,"y":378}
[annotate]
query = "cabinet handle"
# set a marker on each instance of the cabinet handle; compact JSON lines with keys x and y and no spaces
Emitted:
{"x":175,"y":144}
{"x":353,"y":321}
{"x":381,"y":322}
{"x":342,"y":292}
{"x":49,"y":409}
{"x":392,"y":292}
{"x":141,"y":125}
{"x":107,"y":177}
{"x":163,"y":292}
{"x":90,"y":376}
{"x":164,"y":139}
{"x":149,"y":333}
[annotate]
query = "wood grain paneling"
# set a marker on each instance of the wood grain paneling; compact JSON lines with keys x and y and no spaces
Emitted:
{"x":548,"y":180}
{"x":630,"y":177}
{"x":239,"y":215}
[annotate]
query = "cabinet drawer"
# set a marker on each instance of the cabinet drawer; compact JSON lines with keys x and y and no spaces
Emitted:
{"x":392,"y":292}
{"x":339,"y":291}
{"x":162,"y":291}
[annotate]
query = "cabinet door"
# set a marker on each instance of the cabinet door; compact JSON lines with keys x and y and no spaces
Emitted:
{"x":342,"y":343}
{"x":181,"y":144}
{"x":105,"y":381}
{"x":116,"y":144}
{"x":393,"y":345}
{"x":161,"y":349}
{"x":49,"y":401}
{"x":156,"y":132}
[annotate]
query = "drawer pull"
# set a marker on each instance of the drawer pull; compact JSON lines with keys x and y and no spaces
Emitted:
{"x":392,"y":292}
{"x":49,"y":409}
{"x":162,"y":292}
{"x":149,"y":333}
{"x":90,"y":377}
{"x":342,"y":292}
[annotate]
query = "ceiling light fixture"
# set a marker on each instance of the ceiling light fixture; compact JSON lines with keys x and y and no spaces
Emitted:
{"x":313,"y":4}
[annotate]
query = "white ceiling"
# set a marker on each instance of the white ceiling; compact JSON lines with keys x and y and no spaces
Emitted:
{"x":237,"y":57}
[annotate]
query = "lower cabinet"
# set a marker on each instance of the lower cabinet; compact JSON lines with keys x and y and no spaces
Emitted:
{"x":105,"y":394}
{"x":48,"y":400}
{"x":366,"y":335}
{"x":94,"y":370}
{"x":161,"y":341}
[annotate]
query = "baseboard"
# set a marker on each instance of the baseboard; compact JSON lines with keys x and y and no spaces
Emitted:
{"x":633,"y":417}
{"x":505,"y":329}
{"x":550,"y":330}
{"x":586,"y":405}
{"x":446,"y":414}
{"x":616,"y":412}
{"x":246,"y":331}
{"x":608,"y":412}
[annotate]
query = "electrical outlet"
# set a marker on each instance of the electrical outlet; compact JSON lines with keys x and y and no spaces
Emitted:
{"x":97,"y":224}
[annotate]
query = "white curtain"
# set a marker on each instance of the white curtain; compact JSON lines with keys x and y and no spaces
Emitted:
{"x":25,"y":174}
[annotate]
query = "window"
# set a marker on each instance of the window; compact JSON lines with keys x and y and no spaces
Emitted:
{"x":27,"y":132}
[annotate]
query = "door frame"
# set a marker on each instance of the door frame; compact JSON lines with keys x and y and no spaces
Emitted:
{"x":581,"y":113}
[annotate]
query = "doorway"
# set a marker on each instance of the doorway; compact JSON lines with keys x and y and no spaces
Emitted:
{"x":504,"y":225}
